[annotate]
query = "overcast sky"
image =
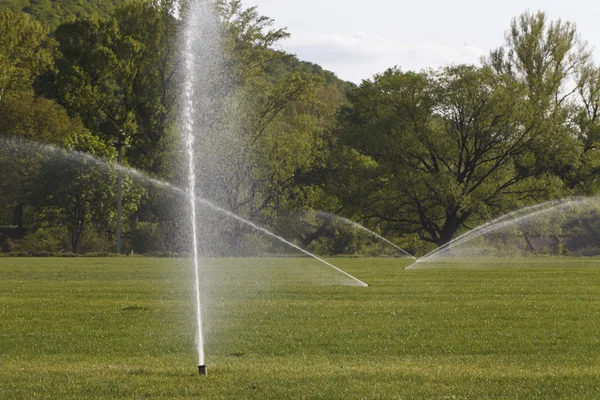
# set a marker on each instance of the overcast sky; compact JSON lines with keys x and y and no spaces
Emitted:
{"x":359,"y":39}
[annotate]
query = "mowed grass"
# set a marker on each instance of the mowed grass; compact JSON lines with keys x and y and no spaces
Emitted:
{"x":123,"y":328}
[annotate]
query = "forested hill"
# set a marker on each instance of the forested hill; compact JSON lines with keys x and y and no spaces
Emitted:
{"x":52,"y":13}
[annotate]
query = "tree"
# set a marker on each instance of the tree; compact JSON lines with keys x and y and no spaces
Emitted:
{"x":582,"y":177}
{"x":27,"y":123}
{"x":77,"y":192}
{"x":152,"y":25}
{"x":249,"y":39}
{"x":25,"y":52}
{"x":553,"y":62}
{"x":443,"y":149}
{"x":117,"y":74}
{"x":543,"y":55}
{"x":93,"y":82}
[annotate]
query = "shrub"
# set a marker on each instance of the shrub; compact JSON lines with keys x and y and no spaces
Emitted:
{"x":95,"y":242}
{"x":45,"y":240}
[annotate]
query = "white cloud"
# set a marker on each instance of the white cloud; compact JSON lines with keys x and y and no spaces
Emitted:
{"x":358,"y":56}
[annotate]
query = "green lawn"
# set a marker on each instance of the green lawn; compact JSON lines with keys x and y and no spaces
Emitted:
{"x":123,"y":328}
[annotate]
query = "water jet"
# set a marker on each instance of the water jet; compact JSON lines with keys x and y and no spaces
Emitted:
{"x":558,"y":227}
{"x":78,"y":156}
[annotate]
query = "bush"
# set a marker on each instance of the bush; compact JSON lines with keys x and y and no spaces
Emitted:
{"x":95,"y":242}
{"x":45,"y":240}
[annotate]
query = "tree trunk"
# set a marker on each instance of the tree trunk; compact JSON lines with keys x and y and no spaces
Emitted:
{"x":529,"y":243}
{"x":76,"y":238}
{"x":451,"y":226}
{"x":18,"y":218}
{"x":448,"y":231}
{"x":78,"y":227}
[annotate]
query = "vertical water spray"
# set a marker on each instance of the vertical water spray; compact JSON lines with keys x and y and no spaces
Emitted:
{"x":215,"y":152}
{"x":189,"y":133}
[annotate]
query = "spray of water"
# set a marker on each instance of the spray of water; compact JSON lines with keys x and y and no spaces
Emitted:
{"x":189,"y":134}
{"x":370,"y":232}
{"x":263,"y":230}
{"x":78,"y":156}
{"x":511,"y":218}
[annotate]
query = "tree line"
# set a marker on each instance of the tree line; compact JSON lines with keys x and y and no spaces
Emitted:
{"x":416,"y":156}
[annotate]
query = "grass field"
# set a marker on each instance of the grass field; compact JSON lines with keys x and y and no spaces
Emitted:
{"x":122,"y":328}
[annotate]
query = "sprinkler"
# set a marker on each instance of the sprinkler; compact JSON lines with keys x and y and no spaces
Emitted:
{"x":202,"y":370}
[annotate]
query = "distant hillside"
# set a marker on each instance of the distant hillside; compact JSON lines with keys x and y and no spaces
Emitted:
{"x":53,"y":12}
{"x":293,"y":63}
{"x":290,"y":63}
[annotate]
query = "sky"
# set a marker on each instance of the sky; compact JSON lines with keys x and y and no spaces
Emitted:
{"x":357,"y":40}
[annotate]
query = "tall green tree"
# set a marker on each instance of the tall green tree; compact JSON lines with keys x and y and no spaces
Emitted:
{"x":442,"y":150}
{"x":25,"y":52}
{"x":28,"y":121}
{"x":583,"y":174}
{"x":152,"y":25}
{"x":555,"y":65}
{"x":117,"y":74}
{"x":79,"y":193}
{"x":542,"y":54}
{"x":93,"y":82}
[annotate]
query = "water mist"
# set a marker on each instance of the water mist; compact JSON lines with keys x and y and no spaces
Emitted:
{"x":201,"y":44}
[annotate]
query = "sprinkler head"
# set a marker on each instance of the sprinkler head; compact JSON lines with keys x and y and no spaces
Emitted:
{"x":202,"y":370}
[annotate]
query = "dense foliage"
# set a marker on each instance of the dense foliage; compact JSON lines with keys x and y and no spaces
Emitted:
{"x":418,"y":156}
{"x":53,"y":13}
